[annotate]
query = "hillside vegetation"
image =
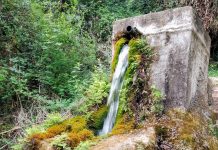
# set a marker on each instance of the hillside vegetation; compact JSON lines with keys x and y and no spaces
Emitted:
{"x":55,"y":60}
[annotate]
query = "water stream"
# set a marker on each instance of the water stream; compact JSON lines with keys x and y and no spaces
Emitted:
{"x":113,"y":98}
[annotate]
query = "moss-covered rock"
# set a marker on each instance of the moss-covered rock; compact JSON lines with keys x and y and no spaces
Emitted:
{"x":123,"y":125}
{"x":118,"y":46}
{"x":75,"y":128}
{"x":184,"y":130}
{"x":136,"y":93}
{"x":74,"y":138}
{"x":96,"y":119}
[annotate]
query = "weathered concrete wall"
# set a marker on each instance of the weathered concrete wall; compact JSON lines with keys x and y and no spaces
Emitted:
{"x":213,"y":93}
{"x":183,"y":48}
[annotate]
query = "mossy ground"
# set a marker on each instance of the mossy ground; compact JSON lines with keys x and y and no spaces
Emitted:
{"x":76,"y":129}
{"x":71,"y":131}
{"x":184,"y":130}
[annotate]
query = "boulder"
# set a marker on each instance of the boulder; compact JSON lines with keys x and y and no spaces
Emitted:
{"x":134,"y":140}
{"x":182,"y":46}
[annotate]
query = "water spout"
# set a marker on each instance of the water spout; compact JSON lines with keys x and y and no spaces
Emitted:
{"x":133,"y":30}
{"x":113,"y":98}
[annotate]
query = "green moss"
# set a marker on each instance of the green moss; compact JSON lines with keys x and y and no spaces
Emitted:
{"x":74,"y":138}
{"x":123,"y":103}
{"x":123,"y":125}
{"x":96,"y":119}
{"x":76,"y":124}
{"x":134,"y":51}
{"x":75,"y":129}
{"x":140,"y":57}
{"x":118,"y":46}
{"x":190,"y":128}
{"x":139,"y":48}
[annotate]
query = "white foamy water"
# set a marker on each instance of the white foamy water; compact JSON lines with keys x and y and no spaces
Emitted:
{"x":113,"y":98}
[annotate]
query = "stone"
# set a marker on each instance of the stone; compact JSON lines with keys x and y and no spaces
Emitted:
{"x":182,"y":46}
{"x":130,"y":141}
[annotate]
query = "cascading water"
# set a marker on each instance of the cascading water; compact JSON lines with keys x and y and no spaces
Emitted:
{"x":113,"y":98}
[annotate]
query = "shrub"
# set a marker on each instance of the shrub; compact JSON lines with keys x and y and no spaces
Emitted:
{"x":52,"y":119}
{"x":96,"y":92}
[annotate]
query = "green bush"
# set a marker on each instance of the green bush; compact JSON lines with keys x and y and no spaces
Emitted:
{"x":52,"y":119}
{"x":97,"y":90}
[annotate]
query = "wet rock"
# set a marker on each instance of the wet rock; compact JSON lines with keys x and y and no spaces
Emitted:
{"x":139,"y":138}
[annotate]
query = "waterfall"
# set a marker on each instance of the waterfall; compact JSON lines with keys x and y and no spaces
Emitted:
{"x":113,"y":98}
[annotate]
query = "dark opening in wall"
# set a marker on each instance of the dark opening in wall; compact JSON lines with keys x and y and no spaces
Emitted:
{"x":214,"y":44}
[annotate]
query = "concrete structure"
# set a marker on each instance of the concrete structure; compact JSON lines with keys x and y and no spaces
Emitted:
{"x":182,"y":46}
{"x":213,"y":95}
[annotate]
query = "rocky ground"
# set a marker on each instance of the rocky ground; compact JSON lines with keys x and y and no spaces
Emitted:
{"x":144,"y":138}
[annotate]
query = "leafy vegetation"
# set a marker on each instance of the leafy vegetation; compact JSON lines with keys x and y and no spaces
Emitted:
{"x":213,"y":70}
{"x":84,"y":145}
{"x":157,"y":106}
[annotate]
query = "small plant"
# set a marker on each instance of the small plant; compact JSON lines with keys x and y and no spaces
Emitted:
{"x":85,"y":145}
{"x":56,"y":129}
{"x":52,"y":119}
{"x":157,"y":105}
{"x":74,"y":138}
{"x":34,"y":129}
{"x":59,"y":142}
{"x":213,"y":128}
